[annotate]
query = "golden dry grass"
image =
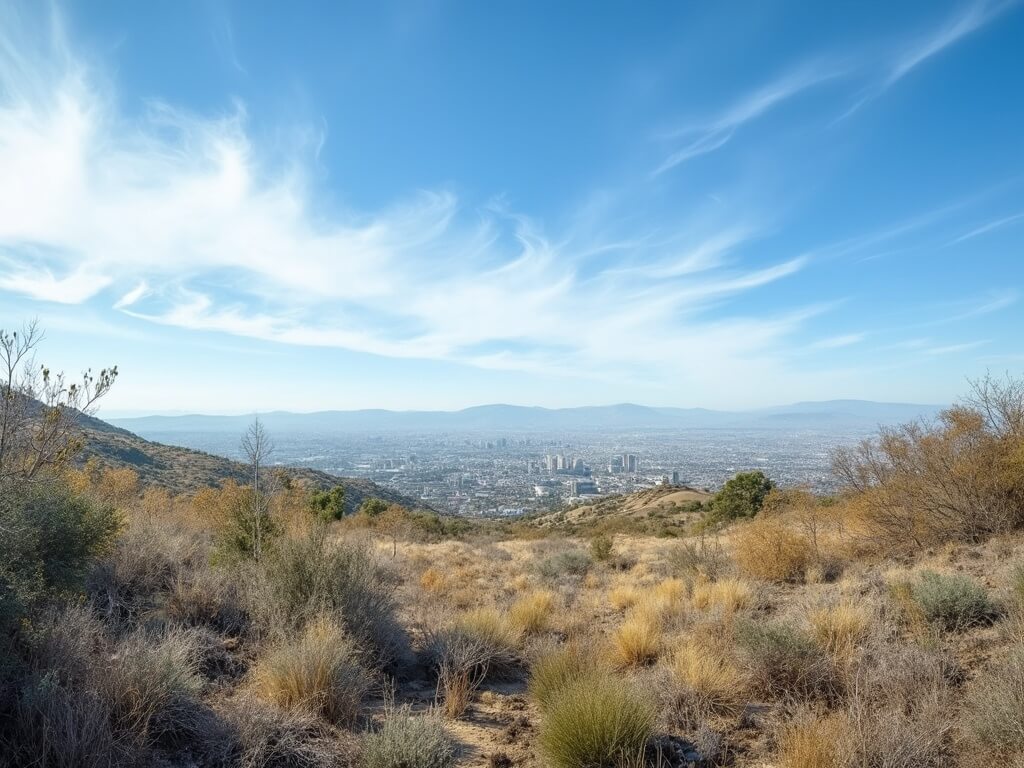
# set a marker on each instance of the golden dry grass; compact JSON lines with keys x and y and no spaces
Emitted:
{"x":840,"y":628}
{"x":432,"y":580}
{"x":532,"y":612}
{"x":623,"y":597}
{"x":730,"y":595}
{"x":711,"y":677}
{"x":771,"y":550}
{"x":318,"y":672}
{"x":637,"y":642}
{"x":811,"y":741}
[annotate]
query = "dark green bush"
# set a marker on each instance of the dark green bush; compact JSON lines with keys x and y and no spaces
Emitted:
{"x":49,"y":538}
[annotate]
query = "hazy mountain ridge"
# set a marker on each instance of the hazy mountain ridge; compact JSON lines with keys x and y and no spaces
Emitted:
{"x":804,"y":415}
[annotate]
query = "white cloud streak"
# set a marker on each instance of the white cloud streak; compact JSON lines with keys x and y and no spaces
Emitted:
{"x":705,"y":137}
{"x":183,"y":220}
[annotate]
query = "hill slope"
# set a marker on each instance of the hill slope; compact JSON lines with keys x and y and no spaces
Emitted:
{"x":664,"y":505}
{"x":181,"y":470}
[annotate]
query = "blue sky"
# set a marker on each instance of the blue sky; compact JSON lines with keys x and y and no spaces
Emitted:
{"x":441,"y":204}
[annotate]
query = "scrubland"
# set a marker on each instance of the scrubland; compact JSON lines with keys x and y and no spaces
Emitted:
{"x":881,"y":626}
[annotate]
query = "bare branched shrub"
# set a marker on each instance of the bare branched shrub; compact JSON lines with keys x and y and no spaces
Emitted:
{"x":703,"y":559}
{"x":960,"y":476}
{"x":784,"y":663}
{"x":266,"y":736}
{"x":463,"y":655}
{"x":994,"y":708}
{"x":901,"y":711}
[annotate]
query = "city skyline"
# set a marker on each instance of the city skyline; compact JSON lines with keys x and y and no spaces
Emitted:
{"x":439,"y":205}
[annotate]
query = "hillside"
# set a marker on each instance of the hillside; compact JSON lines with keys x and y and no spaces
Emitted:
{"x":181,"y":470}
{"x":666,"y":505}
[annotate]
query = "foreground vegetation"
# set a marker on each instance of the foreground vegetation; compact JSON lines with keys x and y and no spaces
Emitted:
{"x":259,"y":625}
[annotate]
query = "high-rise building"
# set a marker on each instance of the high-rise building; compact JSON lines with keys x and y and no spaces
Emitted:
{"x":629,"y":462}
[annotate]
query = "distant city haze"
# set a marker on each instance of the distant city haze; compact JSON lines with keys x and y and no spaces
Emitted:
{"x":503,"y":460}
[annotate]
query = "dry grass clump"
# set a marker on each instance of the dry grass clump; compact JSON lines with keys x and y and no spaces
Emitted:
{"x":730,"y":595}
{"x":706,"y":683}
{"x":785,"y":663}
{"x":994,"y":708}
{"x":206,"y":597}
{"x":598,"y":720}
{"x":840,"y":628}
{"x":623,"y":597}
{"x":532,"y":612}
{"x":815,"y":741}
{"x":638,"y":640}
{"x":408,"y":741}
{"x":432,"y":580}
{"x":466,"y":653}
{"x":670,"y":592}
{"x":152,"y":686}
{"x":318,"y":672}
{"x":557,"y":668}
{"x":493,"y":630}
{"x":769,"y":549}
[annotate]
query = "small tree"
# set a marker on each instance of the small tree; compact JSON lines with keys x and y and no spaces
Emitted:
{"x":328,"y":505}
{"x":373,"y":507}
{"x":252,"y":523}
{"x":39,"y":409}
{"x":742,"y":496}
{"x":394,"y":523}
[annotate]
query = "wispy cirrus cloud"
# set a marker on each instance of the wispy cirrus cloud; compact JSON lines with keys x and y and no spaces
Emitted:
{"x":914,"y":52}
{"x":185,"y":220}
{"x":987,"y":227}
{"x":702,"y":137}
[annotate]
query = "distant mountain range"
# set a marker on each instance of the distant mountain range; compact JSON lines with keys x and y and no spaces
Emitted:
{"x":824,"y":415}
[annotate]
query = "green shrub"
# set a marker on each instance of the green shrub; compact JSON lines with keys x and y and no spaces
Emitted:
{"x":597,"y":721}
{"x":556,"y":669}
{"x":569,"y":563}
{"x":952,"y":601}
{"x":742,"y":496}
{"x":783,"y":662}
{"x":50,"y":536}
{"x":311,"y":576}
{"x":408,"y":741}
{"x":601,"y":548}
{"x":994,"y":707}
{"x":328,"y":505}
